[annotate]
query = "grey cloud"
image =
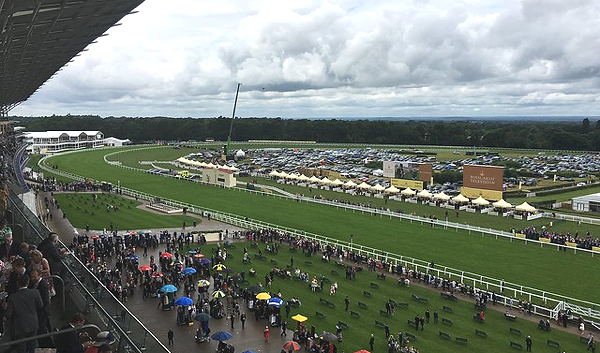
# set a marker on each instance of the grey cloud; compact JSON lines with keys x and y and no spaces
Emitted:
{"x":381,"y":57}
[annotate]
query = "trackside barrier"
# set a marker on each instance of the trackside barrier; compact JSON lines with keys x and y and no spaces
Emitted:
{"x":369,"y":210}
{"x":581,"y":307}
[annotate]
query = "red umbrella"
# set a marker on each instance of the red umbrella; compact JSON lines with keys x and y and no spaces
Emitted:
{"x":145,"y":268}
{"x":95,"y":237}
{"x":156,"y":274}
{"x":166,"y":255}
{"x":293,"y":345}
{"x":198,"y":256}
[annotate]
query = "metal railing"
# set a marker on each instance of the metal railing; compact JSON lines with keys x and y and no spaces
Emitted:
{"x":87,"y":291}
{"x":582,"y":307}
{"x":50,"y":334}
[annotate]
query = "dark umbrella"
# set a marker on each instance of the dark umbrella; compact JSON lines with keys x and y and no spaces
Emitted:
{"x":221,"y":336}
{"x":329,"y":337}
{"x":202,"y":317}
{"x":255,"y":289}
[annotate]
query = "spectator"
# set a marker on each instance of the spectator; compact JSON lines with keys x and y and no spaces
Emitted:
{"x":49,"y":249}
{"x":18,"y":269}
{"x":22,"y":314}
{"x":9,"y":247}
{"x":69,"y":342}
{"x":38,"y":283}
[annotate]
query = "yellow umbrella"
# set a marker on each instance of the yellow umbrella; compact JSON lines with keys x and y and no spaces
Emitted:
{"x":263,"y":296}
{"x":218,"y":294}
{"x":299,"y":318}
{"x":219,"y":267}
{"x":203,"y":283}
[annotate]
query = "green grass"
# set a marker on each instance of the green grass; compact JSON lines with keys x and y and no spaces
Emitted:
{"x":132,"y":159}
{"x":518,"y":262}
{"x":82,"y":210}
{"x":560,"y":197}
{"x":476,"y":219}
{"x":357,"y":335}
{"x":33,"y":164}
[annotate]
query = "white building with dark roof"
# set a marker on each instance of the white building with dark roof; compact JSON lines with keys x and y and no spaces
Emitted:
{"x":587,"y":203}
{"x":49,"y":142}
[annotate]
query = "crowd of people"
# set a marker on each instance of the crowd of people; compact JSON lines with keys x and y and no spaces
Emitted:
{"x":586,"y":241}
{"x":26,"y":292}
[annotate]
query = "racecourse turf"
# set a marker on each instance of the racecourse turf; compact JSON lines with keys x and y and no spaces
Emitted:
{"x":476,"y":219}
{"x":527,"y":264}
{"x":357,"y":335}
{"x":83,"y":210}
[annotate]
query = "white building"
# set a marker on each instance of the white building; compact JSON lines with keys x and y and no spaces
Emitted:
{"x":587,"y":203}
{"x":48,"y":142}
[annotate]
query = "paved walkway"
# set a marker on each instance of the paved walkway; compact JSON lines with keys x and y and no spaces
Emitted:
{"x":159,"y":322}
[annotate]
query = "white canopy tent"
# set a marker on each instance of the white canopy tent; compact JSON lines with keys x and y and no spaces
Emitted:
{"x":480,"y":201}
{"x":441,"y":197}
{"x":274,"y":173}
{"x":392,"y":189}
{"x":408,"y":192}
{"x":293,"y":176}
{"x":460,"y":199}
{"x":314,"y":179}
{"x":337,"y":182}
{"x":350,"y":184}
{"x":284,"y":175}
{"x":325,"y":181}
{"x":525,"y":207}
{"x":377,"y":187}
{"x":502,"y":204}
{"x":364,"y":186}
{"x":303,"y":177}
{"x":425,"y":194}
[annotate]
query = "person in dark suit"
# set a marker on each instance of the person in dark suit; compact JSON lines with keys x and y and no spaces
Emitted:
{"x":49,"y":249}
{"x":8,"y":248}
{"x":69,"y":342}
{"x":22,"y":314}
{"x":41,"y":285}
{"x":18,"y":269}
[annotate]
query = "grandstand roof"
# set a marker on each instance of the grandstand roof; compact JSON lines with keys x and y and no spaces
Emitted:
{"x":57,"y":134}
{"x":37,"y":38}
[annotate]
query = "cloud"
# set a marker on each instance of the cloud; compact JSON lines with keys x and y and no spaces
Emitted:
{"x":338,"y":58}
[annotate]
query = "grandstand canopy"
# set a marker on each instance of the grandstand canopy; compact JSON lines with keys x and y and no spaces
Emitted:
{"x":38,"y":37}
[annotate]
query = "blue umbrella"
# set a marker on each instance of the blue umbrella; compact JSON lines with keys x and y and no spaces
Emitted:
{"x":169,"y":288}
{"x":188,"y":271}
{"x":184,"y":301}
{"x":221,"y":336}
{"x":192,"y":252}
{"x":132,"y":257}
{"x":276,"y":302}
{"x":205,"y":261}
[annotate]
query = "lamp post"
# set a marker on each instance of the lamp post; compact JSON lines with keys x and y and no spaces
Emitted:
{"x":351,"y":242}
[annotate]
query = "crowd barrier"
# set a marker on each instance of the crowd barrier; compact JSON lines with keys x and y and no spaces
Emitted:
{"x":546,"y":303}
{"x":87,"y":293}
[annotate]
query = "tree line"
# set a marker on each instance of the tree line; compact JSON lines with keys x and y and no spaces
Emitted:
{"x":577,"y":135}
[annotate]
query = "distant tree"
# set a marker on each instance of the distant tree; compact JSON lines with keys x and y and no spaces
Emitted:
{"x":585,"y":124}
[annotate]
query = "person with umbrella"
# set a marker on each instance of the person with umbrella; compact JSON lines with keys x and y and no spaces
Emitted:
{"x":243,"y":320}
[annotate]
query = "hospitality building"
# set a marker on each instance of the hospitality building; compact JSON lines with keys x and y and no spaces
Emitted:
{"x":49,"y":142}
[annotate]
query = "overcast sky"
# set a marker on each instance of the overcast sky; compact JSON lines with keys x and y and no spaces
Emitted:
{"x":338,"y":58}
